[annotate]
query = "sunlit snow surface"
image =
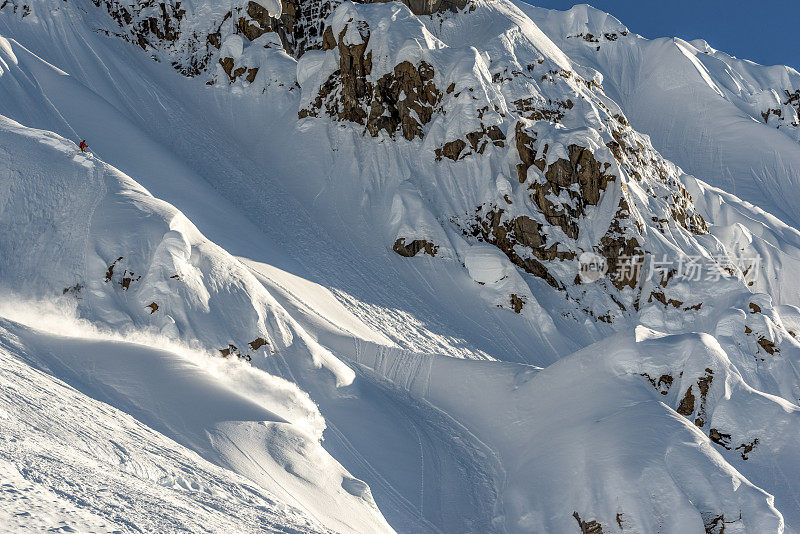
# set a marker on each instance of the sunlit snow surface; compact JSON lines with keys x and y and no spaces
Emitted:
{"x":388,"y":393}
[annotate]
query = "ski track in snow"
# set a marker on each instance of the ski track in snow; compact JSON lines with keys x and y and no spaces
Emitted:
{"x":72,"y":464}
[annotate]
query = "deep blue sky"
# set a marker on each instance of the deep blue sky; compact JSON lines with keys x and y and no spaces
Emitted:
{"x":764,"y":31}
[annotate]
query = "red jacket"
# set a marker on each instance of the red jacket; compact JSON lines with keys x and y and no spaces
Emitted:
{"x":83,"y":146}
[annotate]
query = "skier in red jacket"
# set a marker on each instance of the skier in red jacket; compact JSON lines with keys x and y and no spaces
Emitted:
{"x":83,"y":146}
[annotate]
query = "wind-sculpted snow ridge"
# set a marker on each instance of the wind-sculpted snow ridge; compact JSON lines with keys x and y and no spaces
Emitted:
{"x":623,"y":474}
{"x":398,"y":180}
{"x":769,"y":94}
{"x":77,"y":228}
{"x":729,"y":121}
{"x":72,"y":463}
{"x":130,"y":260}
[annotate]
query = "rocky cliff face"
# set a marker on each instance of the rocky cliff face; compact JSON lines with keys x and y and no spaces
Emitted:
{"x":400,"y":101}
{"x":192,"y":41}
{"x":586,"y":181}
{"x":554,"y":169}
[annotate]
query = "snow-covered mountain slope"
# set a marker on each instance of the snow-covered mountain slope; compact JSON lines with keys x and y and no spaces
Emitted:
{"x":369,"y":223}
{"x":77,"y":208}
{"x":72,"y":463}
{"x":730,"y":121}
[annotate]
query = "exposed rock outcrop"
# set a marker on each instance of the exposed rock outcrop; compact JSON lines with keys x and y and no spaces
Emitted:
{"x":689,"y":406}
{"x":400,"y":101}
{"x":409,"y":250}
{"x":517,"y":303}
{"x":428,"y":7}
{"x":662,"y":384}
{"x":588,"y":527}
{"x":574,"y":194}
{"x":581,"y":178}
{"x":493,"y":226}
{"x":477,"y":141}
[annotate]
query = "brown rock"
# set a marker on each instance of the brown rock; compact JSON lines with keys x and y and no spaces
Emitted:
{"x":451,"y":150}
{"x":428,"y":7}
{"x":256,"y":23}
{"x":687,"y":404}
{"x":581,"y":168}
{"x":527,"y":152}
{"x":388,"y":111}
{"x":516,"y":303}
{"x":403,"y":100}
{"x":258,"y":343}
{"x":747,"y":448}
{"x":506,"y":234}
{"x":719,"y":438}
{"x":227,"y":65}
{"x":410,"y":250}
{"x":588,"y":527}
{"x":686,"y":407}
{"x":663,"y":383}
{"x":767,"y":345}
